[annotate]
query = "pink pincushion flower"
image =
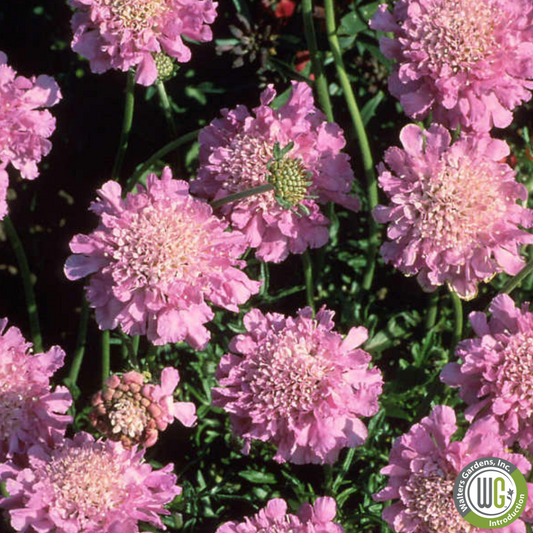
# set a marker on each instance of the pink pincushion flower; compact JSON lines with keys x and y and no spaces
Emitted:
{"x":124,"y":34}
{"x":155,"y":259}
{"x":469,"y":63}
{"x":299,"y":385}
{"x":24,"y":127}
{"x":134,"y":412}
{"x":453,"y":216}
{"x":496,"y":374}
{"x":317,"y":518}
{"x":235,"y":152}
{"x":423,"y":466}
{"x":30,"y":411}
{"x":87,"y":486}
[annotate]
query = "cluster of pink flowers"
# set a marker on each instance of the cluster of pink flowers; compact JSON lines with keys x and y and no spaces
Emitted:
{"x":237,"y":154}
{"x":453,"y":216}
{"x":24,"y":126}
{"x":30,"y":411}
{"x":467,"y":62}
{"x":423,"y":466}
{"x":299,"y":385}
{"x":155,"y":259}
{"x":317,"y":518}
{"x":134,"y":412}
{"x":124,"y":34}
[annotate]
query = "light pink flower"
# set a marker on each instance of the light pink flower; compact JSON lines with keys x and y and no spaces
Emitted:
{"x":496,"y":374}
{"x":155,"y":259}
{"x":30,"y":411}
{"x":235,"y":152}
{"x":124,"y":34}
{"x":24,"y":127}
{"x":317,"y":518}
{"x":467,"y":62}
{"x":134,"y":412}
{"x":453,"y":216}
{"x":85,"y":486}
{"x":423,"y":466}
{"x":299,"y":385}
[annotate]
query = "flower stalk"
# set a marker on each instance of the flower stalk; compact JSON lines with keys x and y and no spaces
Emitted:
{"x":308,"y":275}
{"x":126,"y":126}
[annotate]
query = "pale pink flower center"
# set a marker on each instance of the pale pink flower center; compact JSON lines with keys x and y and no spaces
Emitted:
{"x":458,"y":203}
{"x":128,"y":416}
{"x":430,"y":499}
{"x":136,"y":15}
{"x":86,"y":483}
{"x":459,"y":33}
{"x":287,"y":376}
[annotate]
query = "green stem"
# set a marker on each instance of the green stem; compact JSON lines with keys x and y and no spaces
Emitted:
{"x":27,"y":284}
{"x":265,"y":277}
{"x":328,"y":480}
{"x":126,"y":126}
{"x":106,"y":356}
{"x":431,"y":312}
{"x":80,"y":344}
{"x":368,"y":162}
{"x":243,"y":194}
{"x":308,"y":275}
{"x":316,"y":60}
{"x":515,"y":281}
{"x":170,"y":147}
{"x":458,"y":322}
{"x":167,"y":109}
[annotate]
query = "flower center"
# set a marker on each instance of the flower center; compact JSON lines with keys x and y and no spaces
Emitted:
{"x":12,"y":406}
{"x":458,"y":33}
{"x":86,"y":482}
{"x":127,"y":414}
{"x":287,"y":376}
{"x":458,"y":203}
{"x":291,"y":180}
{"x":137,"y":15}
{"x":429,"y":498}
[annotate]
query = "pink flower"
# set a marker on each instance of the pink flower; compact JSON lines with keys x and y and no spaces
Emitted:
{"x":132,"y":411}
{"x":315,"y":518}
{"x":467,"y":62}
{"x":423,"y":466}
{"x":453,"y":216}
{"x":496,"y":374}
{"x":298,"y":385}
{"x":30,"y":412}
{"x":124,"y":34}
{"x":87,"y":487}
{"x":155,"y":259}
{"x":24,"y":128}
{"x":236,"y":152}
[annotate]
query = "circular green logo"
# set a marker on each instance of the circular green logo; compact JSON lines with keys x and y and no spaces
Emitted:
{"x":490,"y":493}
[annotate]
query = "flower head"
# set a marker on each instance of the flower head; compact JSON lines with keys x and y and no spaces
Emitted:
{"x":298,"y":385}
{"x":30,"y":411}
{"x":124,"y":34}
{"x":155,"y":259}
{"x":134,"y":412}
{"x":24,"y":127}
{"x":274,"y":518}
{"x":85,"y":486}
{"x":468,"y":62}
{"x":496,"y":370}
{"x":453,"y":216}
{"x":423,"y":466}
{"x":238,"y":152}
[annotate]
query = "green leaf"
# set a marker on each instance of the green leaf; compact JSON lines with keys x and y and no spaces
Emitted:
{"x":369,"y":109}
{"x":254,"y":476}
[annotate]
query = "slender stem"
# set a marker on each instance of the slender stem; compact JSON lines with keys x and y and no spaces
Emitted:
{"x":458,"y":323}
{"x":135,"y":344}
{"x":126,"y":126}
{"x":328,"y":480}
{"x":170,"y":147}
{"x":515,"y":281}
{"x":265,"y":277}
{"x":316,"y":60}
{"x":431,"y":312}
{"x":106,"y":356}
{"x":165,"y":103}
{"x":29,"y":293}
{"x":243,"y":194}
{"x":308,"y":275}
{"x":368,"y":162}
{"x":80,"y":344}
